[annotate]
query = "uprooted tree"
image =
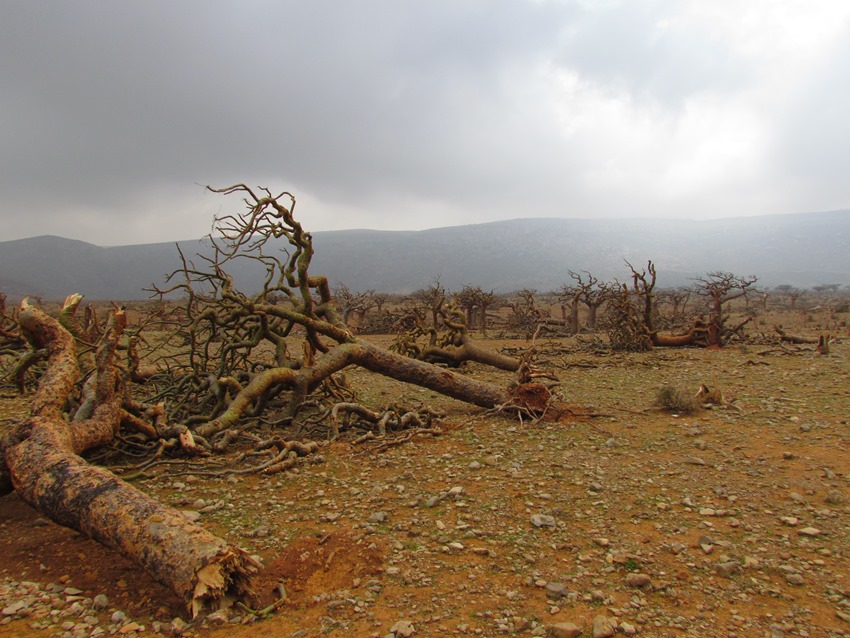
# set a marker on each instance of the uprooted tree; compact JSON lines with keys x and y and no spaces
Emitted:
{"x":234,"y":358}
{"x":632,"y":314}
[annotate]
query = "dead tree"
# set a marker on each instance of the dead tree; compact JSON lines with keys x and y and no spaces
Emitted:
{"x":40,"y":460}
{"x":243,"y":354}
{"x":475,"y":302}
{"x":719,"y":288}
{"x":677,"y":299}
{"x":353,"y":305}
{"x":631,"y":315}
{"x":791,"y":294}
{"x":449,"y":343}
{"x":569,"y":298}
{"x":624,"y":323}
{"x":592,"y":294}
{"x":229,"y":379}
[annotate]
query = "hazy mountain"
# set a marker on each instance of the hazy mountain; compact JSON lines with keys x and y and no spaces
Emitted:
{"x":802,"y":250}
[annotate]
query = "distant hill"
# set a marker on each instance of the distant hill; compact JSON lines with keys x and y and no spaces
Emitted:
{"x":802,"y":250}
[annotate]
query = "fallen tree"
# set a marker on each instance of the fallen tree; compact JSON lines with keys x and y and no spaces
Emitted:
{"x":40,"y":460}
{"x":267,"y":352}
{"x":632,"y":313}
{"x":242,"y":356}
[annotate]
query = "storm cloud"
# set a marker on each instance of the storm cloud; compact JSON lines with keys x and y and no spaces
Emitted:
{"x":406,"y":115}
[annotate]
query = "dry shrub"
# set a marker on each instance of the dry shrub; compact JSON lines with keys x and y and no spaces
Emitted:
{"x":675,"y":400}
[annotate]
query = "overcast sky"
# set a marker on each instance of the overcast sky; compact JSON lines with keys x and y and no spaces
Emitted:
{"x":399,"y":114}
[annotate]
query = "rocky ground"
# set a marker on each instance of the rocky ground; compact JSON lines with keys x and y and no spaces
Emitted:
{"x":613,"y":518}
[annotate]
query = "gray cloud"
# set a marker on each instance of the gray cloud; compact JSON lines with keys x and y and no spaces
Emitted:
{"x":394,"y":114}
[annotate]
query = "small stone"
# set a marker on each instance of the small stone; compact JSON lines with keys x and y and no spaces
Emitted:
{"x":15,"y":607}
{"x":217,"y":618}
{"x":191,"y":515}
{"x":602,"y":627}
{"x":100,"y":602}
{"x":556,"y":590}
{"x":795,"y":579}
{"x":475,"y":465}
{"x":542,"y":520}
{"x":131,"y":627}
{"x":726,"y":569}
{"x":118,"y":617}
{"x":809,"y":531}
{"x":639,"y":581}
{"x":458,"y":547}
{"x":378,"y":517}
{"x":563,"y":630}
{"x":178,"y":626}
{"x":628,"y":629}
{"x":834,"y":497}
{"x":403,"y":629}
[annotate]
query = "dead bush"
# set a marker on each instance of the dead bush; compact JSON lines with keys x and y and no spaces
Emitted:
{"x":675,"y":400}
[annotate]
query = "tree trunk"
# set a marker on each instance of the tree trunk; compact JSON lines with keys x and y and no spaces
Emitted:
{"x":40,"y":459}
{"x":391,"y":364}
{"x":574,"y":318}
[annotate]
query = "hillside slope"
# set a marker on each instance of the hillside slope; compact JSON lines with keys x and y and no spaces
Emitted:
{"x":802,"y":250}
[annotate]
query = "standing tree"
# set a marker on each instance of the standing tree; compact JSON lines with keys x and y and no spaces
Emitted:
{"x":719,"y":288}
{"x":592,"y":293}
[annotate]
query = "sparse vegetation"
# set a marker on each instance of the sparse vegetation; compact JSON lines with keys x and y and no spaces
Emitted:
{"x":386,"y":500}
{"x":676,"y":400}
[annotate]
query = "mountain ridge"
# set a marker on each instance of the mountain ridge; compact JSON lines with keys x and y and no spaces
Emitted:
{"x":802,"y":249}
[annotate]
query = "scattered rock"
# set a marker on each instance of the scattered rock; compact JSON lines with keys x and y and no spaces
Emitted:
{"x":727,"y":569}
{"x":639,"y":581}
{"x":835,"y":497}
{"x":217,"y":618}
{"x":403,"y":629}
{"x":795,"y":579}
{"x":542,"y":520}
{"x":556,"y":590}
{"x":602,"y":627}
{"x":15,"y":608}
{"x":178,"y":626}
{"x":563,"y":630}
